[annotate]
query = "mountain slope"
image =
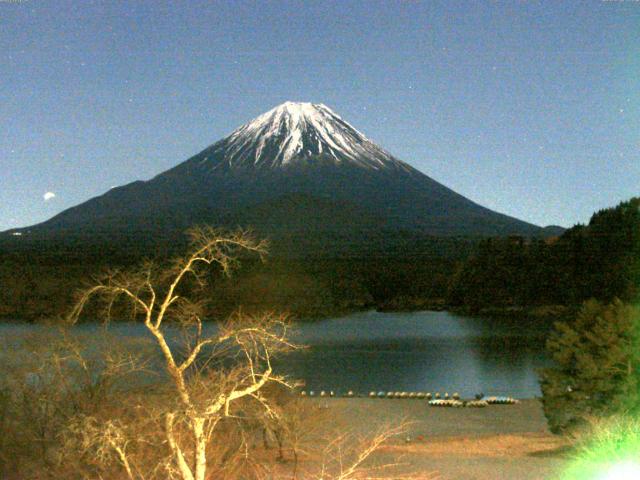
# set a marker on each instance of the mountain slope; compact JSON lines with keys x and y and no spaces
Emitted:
{"x":295,"y":149}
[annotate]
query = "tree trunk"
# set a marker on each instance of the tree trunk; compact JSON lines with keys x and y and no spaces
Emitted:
{"x":183,"y":467}
{"x":201,"y":445}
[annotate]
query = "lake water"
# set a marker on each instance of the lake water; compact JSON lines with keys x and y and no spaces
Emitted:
{"x":417,"y":351}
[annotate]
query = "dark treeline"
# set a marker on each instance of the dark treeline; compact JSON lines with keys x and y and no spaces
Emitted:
{"x":312,"y":275}
{"x":306,"y":275}
{"x":600,"y":260}
{"x":332,"y":286}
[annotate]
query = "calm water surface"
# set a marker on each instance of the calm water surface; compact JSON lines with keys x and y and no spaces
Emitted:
{"x":417,"y":351}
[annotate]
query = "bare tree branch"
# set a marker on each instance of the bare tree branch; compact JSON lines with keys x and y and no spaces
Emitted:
{"x":158,"y":294}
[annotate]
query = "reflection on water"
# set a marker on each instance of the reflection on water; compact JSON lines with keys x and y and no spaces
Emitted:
{"x":418,"y":351}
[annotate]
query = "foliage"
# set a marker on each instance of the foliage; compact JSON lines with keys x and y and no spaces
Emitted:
{"x":597,"y":368}
{"x":606,"y":449}
{"x":38,"y":281}
{"x":600,"y":260}
{"x":312,"y":275}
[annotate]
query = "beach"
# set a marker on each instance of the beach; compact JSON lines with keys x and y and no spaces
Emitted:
{"x":494,"y":442}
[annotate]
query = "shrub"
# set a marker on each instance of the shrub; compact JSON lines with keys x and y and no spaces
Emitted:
{"x":607,"y":449}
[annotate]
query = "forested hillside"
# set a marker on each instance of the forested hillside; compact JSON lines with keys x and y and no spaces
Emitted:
{"x":38,"y":279}
{"x":600,"y":260}
{"x":314,"y":276}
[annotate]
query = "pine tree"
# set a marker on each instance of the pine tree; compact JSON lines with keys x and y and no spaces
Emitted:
{"x":596,"y":371}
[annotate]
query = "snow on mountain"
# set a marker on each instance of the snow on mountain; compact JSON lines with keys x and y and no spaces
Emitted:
{"x":297,"y":166}
{"x":294,"y":131}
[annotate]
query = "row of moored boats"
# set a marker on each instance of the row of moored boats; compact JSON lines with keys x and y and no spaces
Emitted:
{"x":435,"y":400}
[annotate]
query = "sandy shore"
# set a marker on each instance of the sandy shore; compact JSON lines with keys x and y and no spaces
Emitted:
{"x":496,"y":442}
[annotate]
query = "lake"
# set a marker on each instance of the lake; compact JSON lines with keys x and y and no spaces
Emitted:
{"x":416,"y":351}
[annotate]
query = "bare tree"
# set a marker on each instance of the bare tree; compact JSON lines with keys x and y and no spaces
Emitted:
{"x":210,"y":374}
{"x":46,"y":382}
{"x":205,"y":421}
{"x":349,"y":456}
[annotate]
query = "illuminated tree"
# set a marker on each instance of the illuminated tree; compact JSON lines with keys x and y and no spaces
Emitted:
{"x":205,"y":396}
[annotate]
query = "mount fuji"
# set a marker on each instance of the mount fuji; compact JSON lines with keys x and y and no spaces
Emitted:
{"x":296,"y":170}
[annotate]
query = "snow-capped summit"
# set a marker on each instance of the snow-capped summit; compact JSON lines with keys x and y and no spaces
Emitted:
{"x":298,"y":131}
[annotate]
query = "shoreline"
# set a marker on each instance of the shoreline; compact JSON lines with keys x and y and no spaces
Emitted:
{"x":542,"y":313}
{"x":498,"y":441}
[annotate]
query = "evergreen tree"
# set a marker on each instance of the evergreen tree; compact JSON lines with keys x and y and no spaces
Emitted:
{"x":596,"y":369}
{"x":600,"y":260}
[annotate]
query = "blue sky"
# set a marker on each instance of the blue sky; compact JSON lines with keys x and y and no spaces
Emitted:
{"x":529,"y":108}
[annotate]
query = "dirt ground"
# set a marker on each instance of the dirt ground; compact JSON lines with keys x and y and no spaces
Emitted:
{"x":496,"y":442}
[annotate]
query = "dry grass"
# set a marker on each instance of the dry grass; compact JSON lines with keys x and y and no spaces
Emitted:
{"x":511,"y":445}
